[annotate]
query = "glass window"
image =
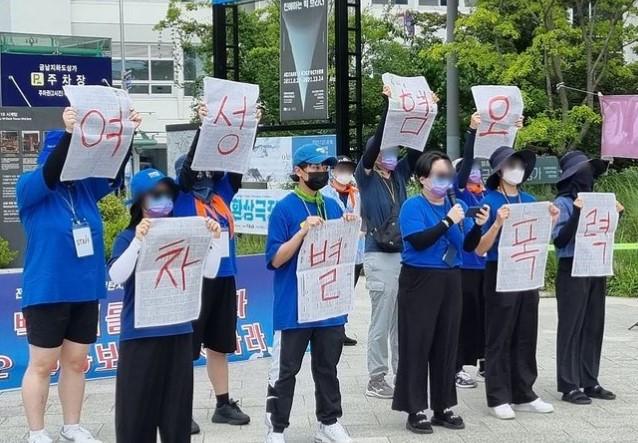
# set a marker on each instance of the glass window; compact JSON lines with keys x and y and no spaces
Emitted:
{"x":161,"y":89}
{"x":432,"y":2}
{"x":189,"y":89}
{"x":162,"y":70}
{"x":193,"y":65}
{"x":138,"y":89}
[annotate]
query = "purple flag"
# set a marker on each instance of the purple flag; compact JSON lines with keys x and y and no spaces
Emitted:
{"x":620,"y":125}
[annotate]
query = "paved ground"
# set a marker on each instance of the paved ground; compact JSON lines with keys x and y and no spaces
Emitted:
{"x":370,"y":420}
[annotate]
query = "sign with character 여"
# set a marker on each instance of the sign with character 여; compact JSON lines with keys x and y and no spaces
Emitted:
{"x":411,"y":112}
{"x":102,"y":134}
{"x":228,"y":132}
{"x":500,"y":107}
{"x":168,"y":277}
{"x":594,"y":245}
{"x":523,"y":247}
{"x":325,"y":271}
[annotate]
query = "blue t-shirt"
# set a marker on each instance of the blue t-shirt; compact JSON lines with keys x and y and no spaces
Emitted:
{"x":566,"y":206}
{"x":471,"y":260}
{"x":285,"y":220}
{"x":376,"y":203}
{"x":127,"y":323}
{"x":185,"y":207}
{"x":418,"y":214}
{"x":495,"y":199}
{"x":53,"y":273}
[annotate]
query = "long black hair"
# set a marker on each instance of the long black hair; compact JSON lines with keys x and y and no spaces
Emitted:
{"x":136,"y":214}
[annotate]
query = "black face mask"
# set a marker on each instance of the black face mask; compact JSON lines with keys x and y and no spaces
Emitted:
{"x":317,"y":180}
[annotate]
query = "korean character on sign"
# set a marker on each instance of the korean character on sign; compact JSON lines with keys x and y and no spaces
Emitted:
{"x":19,"y":324}
{"x":321,"y":253}
{"x":524,"y":234}
{"x":80,"y":79}
{"x":41,"y":67}
{"x":238,"y":350}
{"x":63,"y":68}
{"x":107,"y":356}
{"x":112,"y":319}
{"x":260,"y":209}
{"x":248,"y":209}
{"x":6,"y":363}
{"x":242,"y":301}
{"x":235,"y":207}
{"x":66,"y":79}
{"x":254,"y":337}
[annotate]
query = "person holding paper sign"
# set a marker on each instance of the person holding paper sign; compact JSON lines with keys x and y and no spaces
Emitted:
{"x":511,"y":318}
{"x":154,"y":386}
{"x":290,"y":221}
{"x":208,"y":194}
{"x":63,"y":227}
{"x":581,"y":300}
{"x":434,"y":231}
{"x":382,"y":179}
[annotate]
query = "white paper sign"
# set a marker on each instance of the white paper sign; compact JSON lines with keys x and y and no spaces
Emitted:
{"x":411,"y":112}
{"x":594,"y":246}
{"x":168,"y":277}
{"x":523,"y":246}
{"x":500,"y":107}
{"x":325,"y":271}
{"x":218,"y":249}
{"x":102,"y":134}
{"x":228,"y":132}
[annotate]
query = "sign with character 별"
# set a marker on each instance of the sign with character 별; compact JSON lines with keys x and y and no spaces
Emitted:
{"x":325,"y":270}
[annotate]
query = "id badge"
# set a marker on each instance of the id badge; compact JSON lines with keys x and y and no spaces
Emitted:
{"x":450,"y":256}
{"x":83,"y":240}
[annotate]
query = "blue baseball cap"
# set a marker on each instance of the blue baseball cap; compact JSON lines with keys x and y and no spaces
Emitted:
{"x":145,"y":180}
{"x":51,"y":139}
{"x":312,"y":154}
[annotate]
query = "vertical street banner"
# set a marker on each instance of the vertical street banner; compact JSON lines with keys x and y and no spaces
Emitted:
{"x":102,"y":135}
{"x":303,"y":66}
{"x":500,"y":107}
{"x":411,"y":112}
{"x":168,"y":277}
{"x":594,"y":246}
{"x":325,"y":271}
{"x":228,"y":133}
{"x":523,"y":246}
{"x":620,"y":128}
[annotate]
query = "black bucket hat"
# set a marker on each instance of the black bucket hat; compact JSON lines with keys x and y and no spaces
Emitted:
{"x":499,"y":158}
{"x":574,"y":161}
{"x":345,"y":160}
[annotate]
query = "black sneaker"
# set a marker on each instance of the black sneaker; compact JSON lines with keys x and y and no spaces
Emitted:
{"x":419,"y":423}
{"x":231,"y":414}
{"x":600,"y":393}
{"x":194,"y":427}
{"x":347,"y":341}
{"x":576,"y":397}
{"x":448,"y":419}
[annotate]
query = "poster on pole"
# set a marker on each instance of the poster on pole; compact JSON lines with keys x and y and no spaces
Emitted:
{"x":102,"y":134}
{"x":500,"y":107}
{"x":303,"y":63}
{"x":325,"y":271}
{"x":620,"y":131}
{"x":594,"y":245}
{"x":411,"y":112}
{"x":168,"y":276}
{"x":523,"y":246}
{"x":228,"y":132}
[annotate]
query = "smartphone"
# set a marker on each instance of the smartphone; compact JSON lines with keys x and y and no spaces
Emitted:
{"x":472,"y":211}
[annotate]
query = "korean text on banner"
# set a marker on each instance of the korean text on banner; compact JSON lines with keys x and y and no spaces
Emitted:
{"x":252,"y":208}
{"x":523,"y":246}
{"x":102,"y":134}
{"x":500,"y":107}
{"x":594,"y":246}
{"x":620,"y":132}
{"x":325,"y":271}
{"x":228,"y":132}
{"x":168,"y":277}
{"x":411,"y":112}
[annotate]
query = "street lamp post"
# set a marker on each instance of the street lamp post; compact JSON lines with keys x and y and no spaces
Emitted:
{"x":453,"y":133}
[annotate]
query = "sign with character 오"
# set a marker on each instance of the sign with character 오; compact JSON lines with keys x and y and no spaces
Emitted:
{"x":102,"y":134}
{"x":325,"y":270}
{"x":228,"y":133}
{"x":500,"y":107}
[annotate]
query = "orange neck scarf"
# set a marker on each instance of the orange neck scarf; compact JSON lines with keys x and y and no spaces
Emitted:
{"x":475,"y":188}
{"x":346,"y":189}
{"x":214,"y":210}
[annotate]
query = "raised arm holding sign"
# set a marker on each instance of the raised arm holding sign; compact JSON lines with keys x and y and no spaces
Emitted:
{"x":412,"y":109}
{"x":228,"y":131}
{"x":500,"y":107}
{"x":102,"y":133}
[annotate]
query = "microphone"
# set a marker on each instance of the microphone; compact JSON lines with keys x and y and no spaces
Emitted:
{"x":451,"y":195}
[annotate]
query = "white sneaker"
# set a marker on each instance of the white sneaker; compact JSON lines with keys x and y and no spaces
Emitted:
{"x":275,"y":437}
{"x":538,"y":406}
{"x":332,"y":434}
{"x":503,"y":412}
{"x":78,"y":435}
{"x":40,"y":437}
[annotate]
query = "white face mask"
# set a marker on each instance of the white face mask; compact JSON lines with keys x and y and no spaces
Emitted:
{"x":514,"y":176}
{"x":344,"y":178}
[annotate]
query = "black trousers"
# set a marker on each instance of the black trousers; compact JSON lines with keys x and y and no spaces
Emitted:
{"x":430,"y":303}
{"x":581,"y":324}
{"x":472,"y":333}
{"x":154,"y":390}
{"x":511,"y":328}
{"x":289,"y":347}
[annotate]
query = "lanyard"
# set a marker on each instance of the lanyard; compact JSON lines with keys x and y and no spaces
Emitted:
{"x":507,"y":198}
{"x":70,"y":204}
{"x":321,"y":213}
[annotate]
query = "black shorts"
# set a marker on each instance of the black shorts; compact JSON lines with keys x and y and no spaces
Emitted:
{"x":49,"y":325}
{"x":215,"y":328}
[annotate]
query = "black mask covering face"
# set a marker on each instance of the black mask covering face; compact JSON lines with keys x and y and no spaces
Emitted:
{"x":317,"y":180}
{"x":582,"y":181}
